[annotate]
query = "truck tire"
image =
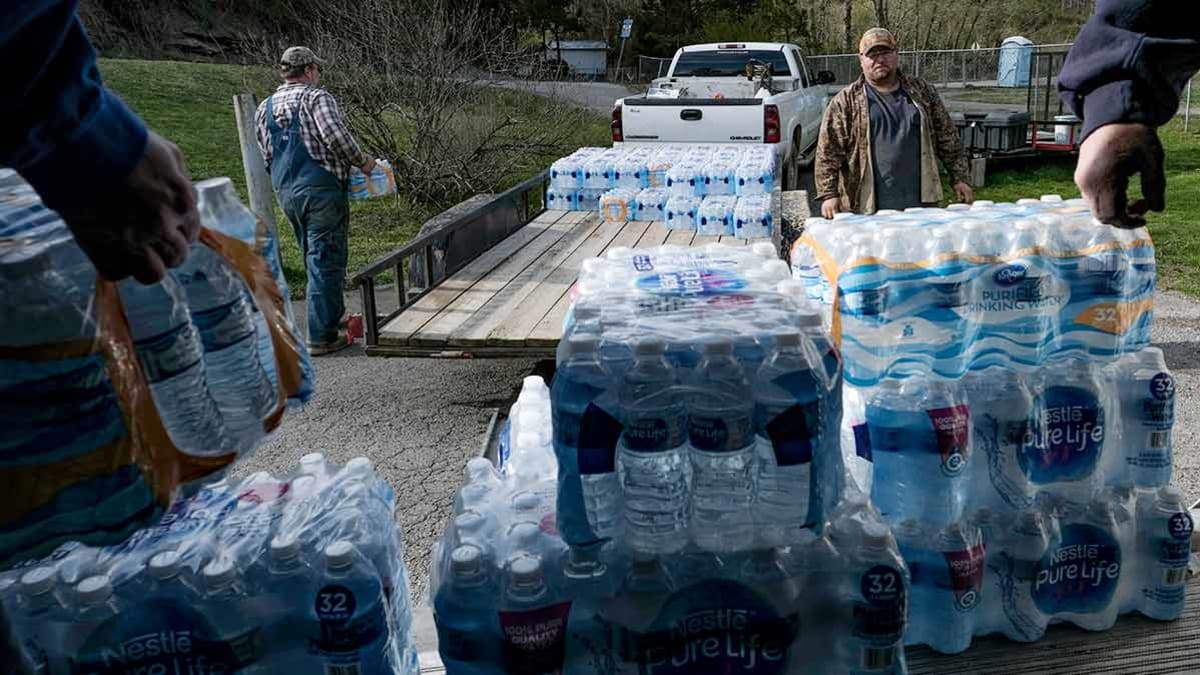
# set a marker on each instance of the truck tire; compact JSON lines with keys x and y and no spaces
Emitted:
{"x":791,"y":165}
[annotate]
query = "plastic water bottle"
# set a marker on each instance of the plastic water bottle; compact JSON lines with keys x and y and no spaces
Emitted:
{"x":478,"y":529}
{"x":788,"y":411}
{"x":1096,"y":537}
{"x":93,"y":607}
{"x":240,"y":384}
{"x":920,"y":443}
{"x":163,"y":579}
{"x":170,"y":350}
{"x":1002,"y":420}
{"x":652,"y":459}
{"x":877,"y":593}
{"x":224,"y":593}
{"x":465,"y":607}
{"x":720,"y":412}
{"x":1166,"y":532}
{"x":350,"y":608}
{"x":534,"y":629}
{"x":681,"y":212}
{"x":585,"y":439}
{"x":1070,"y":430}
{"x":47,"y":619}
{"x":1016,"y":577}
{"x":1147,"y":400}
{"x":957,"y":581}
{"x":314,"y":464}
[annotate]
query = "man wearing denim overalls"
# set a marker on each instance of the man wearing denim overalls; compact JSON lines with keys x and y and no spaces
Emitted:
{"x":309,"y":153}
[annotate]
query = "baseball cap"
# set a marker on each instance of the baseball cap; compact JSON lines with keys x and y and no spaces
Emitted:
{"x":876,"y":37}
{"x":299,"y":56}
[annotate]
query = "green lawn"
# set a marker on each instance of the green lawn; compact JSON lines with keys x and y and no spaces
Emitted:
{"x":1176,"y":231}
{"x":192,"y":104}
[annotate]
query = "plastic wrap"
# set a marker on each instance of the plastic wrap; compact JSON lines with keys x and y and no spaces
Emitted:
{"x":1001,"y":397}
{"x":651,"y":204}
{"x":681,"y":212}
{"x":381,"y":182}
{"x":753,"y":217}
{"x":511,"y":596}
{"x":86,"y":448}
{"x":298,"y":574}
{"x":618,"y":206}
{"x":715,"y":215}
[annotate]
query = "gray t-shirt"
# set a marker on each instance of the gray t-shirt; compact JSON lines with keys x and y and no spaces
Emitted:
{"x":895,"y":148}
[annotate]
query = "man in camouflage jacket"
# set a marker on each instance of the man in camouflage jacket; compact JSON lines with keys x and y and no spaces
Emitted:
{"x":882,"y":137}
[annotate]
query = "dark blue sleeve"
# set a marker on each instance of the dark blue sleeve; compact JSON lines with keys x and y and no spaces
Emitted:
{"x":1131,"y":60}
{"x":71,"y":138}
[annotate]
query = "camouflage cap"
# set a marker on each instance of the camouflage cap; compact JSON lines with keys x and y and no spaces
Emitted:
{"x":876,"y":37}
{"x":298,"y":56}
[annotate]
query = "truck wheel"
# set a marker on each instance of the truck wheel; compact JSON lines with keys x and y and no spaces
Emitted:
{"x":791,"y":166}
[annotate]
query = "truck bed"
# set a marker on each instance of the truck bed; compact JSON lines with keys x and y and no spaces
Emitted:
{"x":511,"y":300}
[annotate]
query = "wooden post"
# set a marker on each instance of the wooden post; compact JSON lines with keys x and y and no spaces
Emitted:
{"x":258,"y":182}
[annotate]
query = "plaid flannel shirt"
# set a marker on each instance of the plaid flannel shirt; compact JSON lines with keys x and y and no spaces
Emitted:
{"x":322,"y":127}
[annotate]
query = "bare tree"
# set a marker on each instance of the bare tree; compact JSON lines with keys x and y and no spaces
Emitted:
{"x":881,"y":13}
{"x":423,"y":85}
{"x":848,"y":25}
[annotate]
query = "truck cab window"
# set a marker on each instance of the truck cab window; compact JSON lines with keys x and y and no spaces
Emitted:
{"x":727,"y":63}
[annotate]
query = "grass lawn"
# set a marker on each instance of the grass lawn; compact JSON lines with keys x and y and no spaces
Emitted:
{"x":1176,"y":231}
{"x":192,"y":105}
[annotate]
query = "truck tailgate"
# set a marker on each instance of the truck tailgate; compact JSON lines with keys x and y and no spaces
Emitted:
{"x":682,"y":120}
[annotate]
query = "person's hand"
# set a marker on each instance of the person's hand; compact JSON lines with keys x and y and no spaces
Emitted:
{"x":964,"y":193}
{"x":147,"y":224}
{"x":368,"y":167}
{"x":830,"y":207}
{"x":1108,"y":157}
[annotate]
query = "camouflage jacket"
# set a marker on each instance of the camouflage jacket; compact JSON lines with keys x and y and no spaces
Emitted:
{"x":843,"y":163}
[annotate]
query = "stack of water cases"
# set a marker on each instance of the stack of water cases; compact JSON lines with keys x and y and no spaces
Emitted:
{"x":694,"y":523}
{"x":296,"y":575}
{"x":721,"y":190}
{"x":1005,"y":412}
{"x":121,"y":392}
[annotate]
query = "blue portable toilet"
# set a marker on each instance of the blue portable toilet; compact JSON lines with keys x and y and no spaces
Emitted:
{"x":1015,"y":54}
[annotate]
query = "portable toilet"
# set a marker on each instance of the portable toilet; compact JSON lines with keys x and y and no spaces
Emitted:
{"x":1015,"y":54}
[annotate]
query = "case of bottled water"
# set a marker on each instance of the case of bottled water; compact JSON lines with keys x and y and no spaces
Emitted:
{"x":753,"y":217}
{"x":718,"y":176}
{"x":686,"y":179}
{"x":631,"y":172}
{"x":618,"y":206}
{"x":651,"y":204}
{"x":681,"y":212}
{"x":754,"y":176}
{"x":381,"y":182}
{"x":153,"y":386}
{"x":715,"y":215}
{"x":511,"y":596}
{"x":297,"y":574}
{"x":1002,"y":404}
{"x":568,"y":172}
{"x":561,"y":199}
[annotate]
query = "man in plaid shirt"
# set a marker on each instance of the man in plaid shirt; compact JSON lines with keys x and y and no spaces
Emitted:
{"x":309,"y":153}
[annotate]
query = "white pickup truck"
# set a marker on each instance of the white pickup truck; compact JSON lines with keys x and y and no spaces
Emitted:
{"x":744,"y":92}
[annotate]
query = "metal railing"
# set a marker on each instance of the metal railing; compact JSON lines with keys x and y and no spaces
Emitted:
{"x":525,"y":197}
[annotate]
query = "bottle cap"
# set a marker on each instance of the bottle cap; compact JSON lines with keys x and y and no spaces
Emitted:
{"x":359,"y":466}
{"x":786,"y":339}
{"x":478,"y":468}
{"x":313,"y":462}
{"x":876,"y":535}
{"x":339,"y":554}
{"x":468,"y":521}
{"x":94,"y":589}
{"x":219,"y":573}
{"x":37,"y":580}
{"x":718,"y":345}
{"x":523,"y":535}
{"x":526,"y":501}
{"x":1151,"y":356}
{"x":982,"y":203}
{"x":526,"y":571}
{"x":649,"y":347}
{"x":1169,"y":495}
{"x":466,"y":561}
{"x":1051,"y":198}
{"x":303,"y":486}
{"x":764,"y":249}
{"x":580,"y":343}
{"x":534,"y":382}
{"x":285,"y":547}
{"x":163,"y":565}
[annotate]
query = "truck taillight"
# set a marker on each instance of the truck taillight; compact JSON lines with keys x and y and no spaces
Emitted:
{"x":617,"y":134}
{"x":770,"y":124}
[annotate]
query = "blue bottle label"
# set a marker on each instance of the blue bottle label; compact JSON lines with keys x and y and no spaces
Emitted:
{"x":655,"y":434}
{"x":793,"y":431}
{"x":879,"y":618}
{"x":1079,"y":575}
{"x":716,"y":626}
{"x":862,"y":441}
{"x":167,"y":354}
{"x":594,"y":436}
{"x":223,"y":326}
{"x":1068,"y":438}
{"x":692,"y":282}
{"x":1158,"y":411}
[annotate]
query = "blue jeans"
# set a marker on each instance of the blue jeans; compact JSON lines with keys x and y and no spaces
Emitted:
{"x":320,"y":217}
